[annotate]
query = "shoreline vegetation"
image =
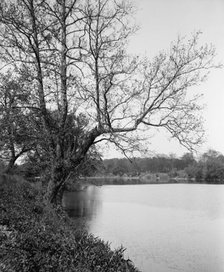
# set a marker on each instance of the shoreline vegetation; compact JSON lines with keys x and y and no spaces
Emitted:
{"x":34,"y":237}
{"x":161,"y":169}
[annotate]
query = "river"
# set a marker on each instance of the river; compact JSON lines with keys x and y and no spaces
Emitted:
{"x":164,"y":228}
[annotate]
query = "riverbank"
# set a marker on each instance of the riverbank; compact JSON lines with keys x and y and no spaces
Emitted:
{"x":38,"y":238}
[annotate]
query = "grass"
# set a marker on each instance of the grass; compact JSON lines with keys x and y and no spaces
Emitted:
{"x":38,"y":238}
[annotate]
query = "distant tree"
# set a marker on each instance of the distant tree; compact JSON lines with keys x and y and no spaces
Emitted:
{"x":210,"y":155}
{"x":213,"y":163}
{"x":73,"y":54}
{"x":209,"y":168}
{"x":187,"y":160}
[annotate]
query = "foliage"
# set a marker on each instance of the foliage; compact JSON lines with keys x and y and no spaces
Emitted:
{"x":37,"y":238}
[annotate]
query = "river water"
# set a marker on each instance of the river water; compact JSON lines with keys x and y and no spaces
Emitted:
{"x":164,"y":228}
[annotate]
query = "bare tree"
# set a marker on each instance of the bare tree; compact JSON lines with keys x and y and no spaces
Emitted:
{"x":74,"y":57}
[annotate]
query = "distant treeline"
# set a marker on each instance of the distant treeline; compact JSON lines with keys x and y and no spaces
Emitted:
{"x":208,"y":168}
{"x":135,"y":166}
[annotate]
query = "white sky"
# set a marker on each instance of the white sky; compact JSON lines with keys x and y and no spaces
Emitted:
{"x":161,"y":21}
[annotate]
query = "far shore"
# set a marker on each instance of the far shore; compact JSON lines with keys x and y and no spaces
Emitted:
{"x":84,"y":182}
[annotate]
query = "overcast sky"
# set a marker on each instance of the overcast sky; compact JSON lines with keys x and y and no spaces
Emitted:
{"x":161,"y":21}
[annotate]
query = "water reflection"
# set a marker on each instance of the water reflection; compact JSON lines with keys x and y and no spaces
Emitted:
{"x":82,"y":204}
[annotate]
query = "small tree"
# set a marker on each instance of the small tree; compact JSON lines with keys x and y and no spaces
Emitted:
{"x":14,"y":134}
{"x":73,"y":56}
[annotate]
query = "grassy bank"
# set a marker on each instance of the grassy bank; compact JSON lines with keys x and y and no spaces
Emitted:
{"x":35,"y":238}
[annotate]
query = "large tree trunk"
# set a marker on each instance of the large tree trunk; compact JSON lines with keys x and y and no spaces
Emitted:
{"x":61,"y":170}
{"x":59,"y":174}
